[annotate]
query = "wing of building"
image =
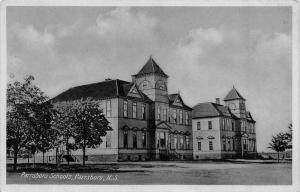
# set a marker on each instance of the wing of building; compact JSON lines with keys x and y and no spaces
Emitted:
{"x":224,"y":131}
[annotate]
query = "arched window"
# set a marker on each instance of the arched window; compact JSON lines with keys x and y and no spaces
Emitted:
{"x":144,"y":140}
{"x":134,"y":139}
{"x":125,"y":139}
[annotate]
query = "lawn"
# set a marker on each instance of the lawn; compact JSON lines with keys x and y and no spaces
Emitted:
{"x":196,"y":173}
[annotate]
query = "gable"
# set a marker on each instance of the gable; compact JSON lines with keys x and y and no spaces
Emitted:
{"x":134,"y":92}
{"x":178,"y":102}
{"x":163,"y":125}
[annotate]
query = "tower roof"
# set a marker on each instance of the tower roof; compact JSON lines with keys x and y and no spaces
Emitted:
{"x":151,"y":67}
{"x":233,"y":94}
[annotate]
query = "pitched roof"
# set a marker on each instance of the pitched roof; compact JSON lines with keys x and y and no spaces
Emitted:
{"x":233,"y":94}
{"x":172,"y":98}
{"x":151,"y":67}
{"x":101,"y":90}
{"x":211,"y":110}
{"x":249,"y":117}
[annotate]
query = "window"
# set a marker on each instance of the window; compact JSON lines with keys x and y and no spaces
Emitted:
{"x":125,"y":108}
{"x":125,"y":139}
{"x":224,"y":144}
{"x":229,"y":145}
{"x":199,"y":125}
{"x":180,"y":117}
{"x":143,"y":112}
{"x":108,"y":108}
{"x":187,"y":142}
{"x":233,"y":144}
{"x":181,"y":142}
{"x":244,"y":145}
{"x":134,"y":110}
{"x":232,"y":125}
{"x":158,"y":112}
{"x":175,"y":142}
{"x":144,"y":139}
{"x":209,"y":125}
{"x":108,"y":141}
{"x":199,"y":146}
{"x":162,"y":139}
{"x":224,"y":124}
{"x":164,"y":114}
{"x":211,"y":147}
{"x":186,"y":118}
{"x":134,"y":139}
{"x":175,"y":115}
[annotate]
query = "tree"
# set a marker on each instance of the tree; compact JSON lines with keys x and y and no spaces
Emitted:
{"x":289,"y":136}
{"x":89,"y":124}
{"x":279,"y":143}
{"x":44,"y":135}
{"x":62,"y":122}
{"x":23,"y":100}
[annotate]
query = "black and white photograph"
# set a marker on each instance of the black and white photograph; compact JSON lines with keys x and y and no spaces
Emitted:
{"x":150,"y":94}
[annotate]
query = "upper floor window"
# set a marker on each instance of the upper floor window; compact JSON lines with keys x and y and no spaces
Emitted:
{"x":165,"y":114}
{"x":175,"y":142}
{"x":232,"y":125}
{"x":175,"y":115}
{"x":198,"y":125}
{"x":209,"y":125}
{"x":211,"y":146}
{"x":158,"y":112}
{"x":180,"y":117}
{"x":108,"y":108}
{"x":125,"y":108}
{"x":134,"y":110}
{"x":186,"y":118}
{"x":143,"y":112}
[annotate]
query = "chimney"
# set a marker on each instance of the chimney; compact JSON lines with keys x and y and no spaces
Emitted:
{"x":217,"y":100}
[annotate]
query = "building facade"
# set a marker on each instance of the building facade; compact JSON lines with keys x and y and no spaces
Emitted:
{"x":147,"y":122}
{"x":223,"y":131}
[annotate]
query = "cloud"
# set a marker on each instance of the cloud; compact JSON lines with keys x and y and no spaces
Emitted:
{"x":123,"y":26}
{"x":31,"y":37}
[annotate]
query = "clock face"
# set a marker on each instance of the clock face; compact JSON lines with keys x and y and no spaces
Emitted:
{"x":232,"y":106}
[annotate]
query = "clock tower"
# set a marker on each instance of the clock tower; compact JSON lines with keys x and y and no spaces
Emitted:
{"x":236,"y":103}
{"x":152,"y":81}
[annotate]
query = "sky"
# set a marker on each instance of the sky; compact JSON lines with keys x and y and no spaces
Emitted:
{"x":204,"y":50}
